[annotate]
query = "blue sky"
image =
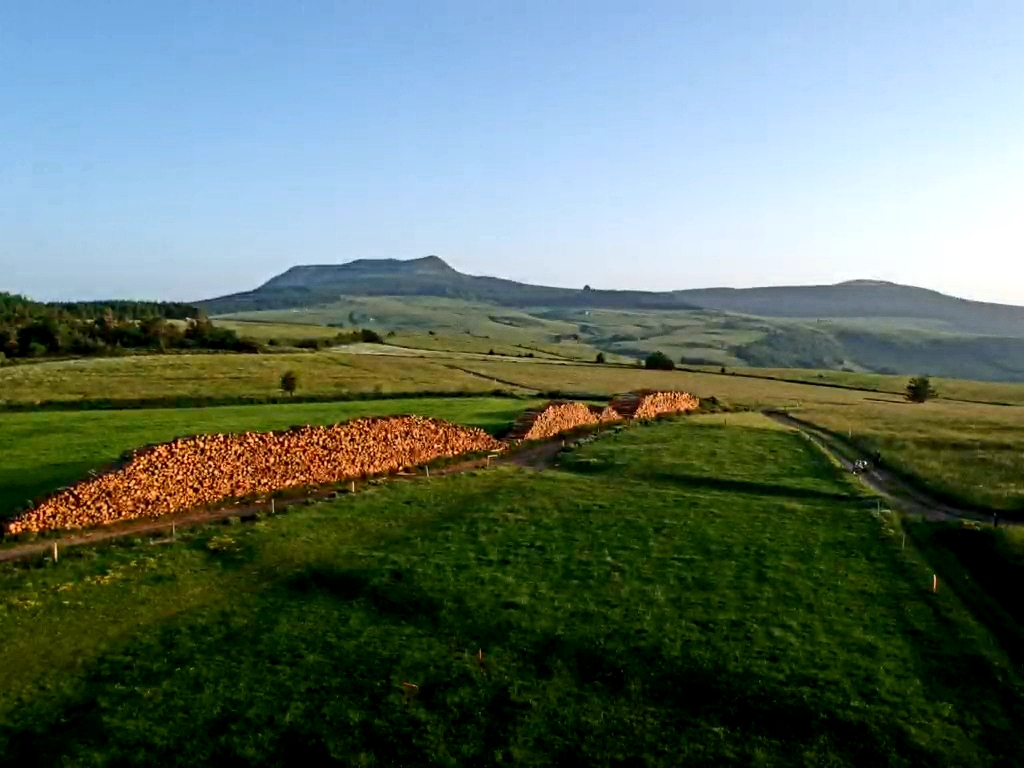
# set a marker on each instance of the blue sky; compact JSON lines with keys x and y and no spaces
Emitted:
{"x":184,"y":150}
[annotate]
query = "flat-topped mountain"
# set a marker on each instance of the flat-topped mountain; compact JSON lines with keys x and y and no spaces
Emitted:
{"x":305,"y":286}
{"x":309,"y":285}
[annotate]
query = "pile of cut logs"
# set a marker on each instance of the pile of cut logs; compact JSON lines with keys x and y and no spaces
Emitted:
{"x":654,"y":404}
{"x":196,"y":471}
{"x":557,"y":418}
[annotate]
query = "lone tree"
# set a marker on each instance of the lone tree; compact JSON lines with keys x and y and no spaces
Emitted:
{"x":600,"y":358}
{"x":920,"y":389}
{"x":289,"y":381}
{"x":659,"y":361}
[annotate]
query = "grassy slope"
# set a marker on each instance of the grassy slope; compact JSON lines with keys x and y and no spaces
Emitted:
{"x":908,"y":345}
{"x":40,"y":452}
{"x":669,"y":595}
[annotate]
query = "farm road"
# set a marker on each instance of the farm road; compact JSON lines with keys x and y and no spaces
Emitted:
{"x":899,"y":493}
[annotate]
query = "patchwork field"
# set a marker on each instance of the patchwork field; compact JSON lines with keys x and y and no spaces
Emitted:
{"x":667,"y":596}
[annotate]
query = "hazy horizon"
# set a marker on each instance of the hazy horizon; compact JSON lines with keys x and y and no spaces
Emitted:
{"x":186,"y":151}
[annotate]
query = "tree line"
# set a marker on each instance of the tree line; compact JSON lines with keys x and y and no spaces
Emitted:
{"x":37,"y":329}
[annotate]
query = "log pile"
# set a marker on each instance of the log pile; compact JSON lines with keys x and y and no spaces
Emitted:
{"x":559,"y":417}
{"x":654,"y":404}
{"x":197,"y":471}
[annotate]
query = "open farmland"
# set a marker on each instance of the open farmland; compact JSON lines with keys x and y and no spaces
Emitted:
{"x":948,"y":389}
{"x":666,"y":593}
{"x":166,"y":377}
{"x":969,"y":452}
{"x":610,"y":380}
{"x":43,"y":451}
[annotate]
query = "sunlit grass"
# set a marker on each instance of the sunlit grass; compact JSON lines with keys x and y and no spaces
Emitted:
{"x":676,"y":593}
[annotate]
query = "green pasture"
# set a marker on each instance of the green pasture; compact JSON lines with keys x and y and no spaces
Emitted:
{"x":43,"y":451}
{"x":166,"y":377}
{"x":282,"y":333}
{"x":673,"y":594}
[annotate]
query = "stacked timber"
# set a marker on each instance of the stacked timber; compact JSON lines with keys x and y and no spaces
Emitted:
{"x":197,"y":471}
{"x":558,"y":417}
{"x":654,"y":404}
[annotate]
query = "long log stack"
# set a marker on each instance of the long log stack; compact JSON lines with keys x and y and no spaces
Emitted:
{"x":197,"y":471}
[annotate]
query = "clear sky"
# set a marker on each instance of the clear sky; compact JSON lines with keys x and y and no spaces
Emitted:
{"x":182,"y":150}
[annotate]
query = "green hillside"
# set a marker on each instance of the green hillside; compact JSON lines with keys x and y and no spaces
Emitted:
{"x":859,"y":326}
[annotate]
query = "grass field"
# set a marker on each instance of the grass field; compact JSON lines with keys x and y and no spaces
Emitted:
{"x":971,"y":453}
{"x":43,"y":451}
{"x":694,"y":337}
{"x":283,"y":333}
{"x":225,"y":375}
{"x":668,"y":597}
{"x":609,"y":380}
{"x":948,"y":389}
{"x":985,"y":566}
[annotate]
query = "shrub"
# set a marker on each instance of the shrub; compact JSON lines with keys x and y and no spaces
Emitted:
{"x":659,"y":361}
{"x":600,"y":358}
{"x":369,"y":336}
{"x":920,"y":389}
{"x":289,"y":381}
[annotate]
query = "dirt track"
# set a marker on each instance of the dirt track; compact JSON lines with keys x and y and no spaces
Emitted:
{"x":899,"y":493}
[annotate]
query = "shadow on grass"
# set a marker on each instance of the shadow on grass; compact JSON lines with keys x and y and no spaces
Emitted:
{"x":970,"y":677}
{"x":391,"y":593}
{"x":648,"y":702}
{"x":709,"y":482}
{"x":985,"y":572}
{"x":18,"y":487}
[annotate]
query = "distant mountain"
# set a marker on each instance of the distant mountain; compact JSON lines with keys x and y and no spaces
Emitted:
{"x":865,"y":299}
{"x":305,"y":286}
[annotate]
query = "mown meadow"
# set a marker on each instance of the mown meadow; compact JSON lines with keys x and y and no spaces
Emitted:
{"x":171,"y":379}
{"x":687,"y":592}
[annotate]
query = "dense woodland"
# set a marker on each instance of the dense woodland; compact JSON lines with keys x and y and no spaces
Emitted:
{"x":36,"y":329}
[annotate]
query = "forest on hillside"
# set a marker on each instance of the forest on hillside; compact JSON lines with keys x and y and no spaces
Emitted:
{"x":38,"y":329}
